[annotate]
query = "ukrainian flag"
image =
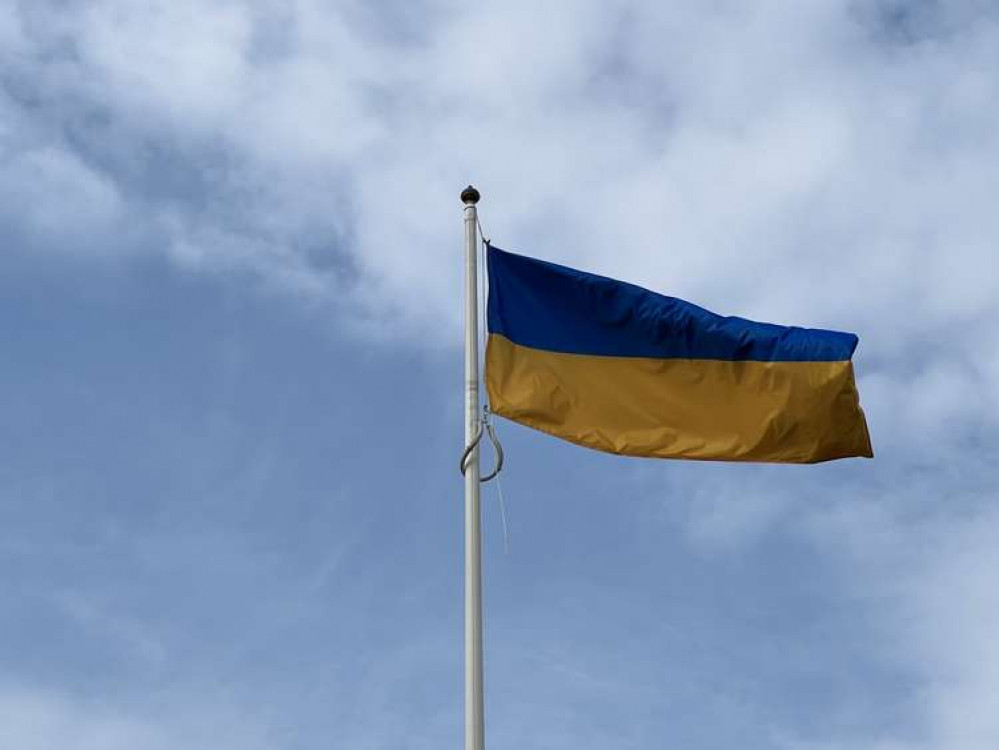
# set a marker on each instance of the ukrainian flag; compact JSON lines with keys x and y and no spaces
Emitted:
{"x":618,"y":368}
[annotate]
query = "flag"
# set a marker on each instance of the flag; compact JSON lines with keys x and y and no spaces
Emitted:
{"x":622,"y":369}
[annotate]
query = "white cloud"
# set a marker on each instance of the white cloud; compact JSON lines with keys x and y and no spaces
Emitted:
{"x":56,"y":198}
{"x":834,"y":176}
{"x":182,"y":62}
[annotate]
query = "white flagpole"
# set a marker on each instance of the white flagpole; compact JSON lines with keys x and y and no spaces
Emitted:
{"x":474,"y":730}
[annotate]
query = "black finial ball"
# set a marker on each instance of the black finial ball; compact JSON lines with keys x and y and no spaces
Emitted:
{"x":470,"y":195}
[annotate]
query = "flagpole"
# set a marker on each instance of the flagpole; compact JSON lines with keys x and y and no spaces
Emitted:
{"x":474,"y":728}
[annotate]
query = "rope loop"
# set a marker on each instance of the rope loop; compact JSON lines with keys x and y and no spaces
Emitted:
{"x":485,"y":427}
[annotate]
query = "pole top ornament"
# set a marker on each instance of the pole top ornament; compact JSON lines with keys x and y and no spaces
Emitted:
{"x":470,"y":196}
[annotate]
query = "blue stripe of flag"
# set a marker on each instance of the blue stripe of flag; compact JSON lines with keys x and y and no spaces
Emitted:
{"x":547,"y":306}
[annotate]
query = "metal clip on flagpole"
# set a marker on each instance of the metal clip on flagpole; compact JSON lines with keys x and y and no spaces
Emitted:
{"x":474,"y":724}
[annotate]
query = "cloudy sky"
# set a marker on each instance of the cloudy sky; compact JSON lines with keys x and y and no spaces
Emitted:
{"x":230,"y":372}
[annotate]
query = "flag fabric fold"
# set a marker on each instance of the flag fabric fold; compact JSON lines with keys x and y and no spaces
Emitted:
{"x":622,"y":369}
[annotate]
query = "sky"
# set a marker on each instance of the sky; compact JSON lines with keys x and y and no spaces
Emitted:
{"x":231,"y":371}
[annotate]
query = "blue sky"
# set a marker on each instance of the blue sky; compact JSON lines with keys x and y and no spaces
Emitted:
{"x":230,"y":262}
